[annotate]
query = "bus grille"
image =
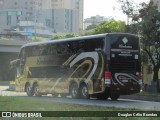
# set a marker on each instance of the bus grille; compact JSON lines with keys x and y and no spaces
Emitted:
{"x":119,"y":66}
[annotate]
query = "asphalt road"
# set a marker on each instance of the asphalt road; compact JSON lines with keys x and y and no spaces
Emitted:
{"x":120,"y":103}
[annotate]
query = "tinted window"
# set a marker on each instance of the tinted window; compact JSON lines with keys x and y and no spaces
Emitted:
{"x":50,"y":49}
{"x":87,"y":45}
{"x":46,"y":72}
{"x":95,"y":44}
{"x":123,"y":41}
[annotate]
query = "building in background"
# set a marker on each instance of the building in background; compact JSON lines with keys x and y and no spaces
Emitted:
{"x":67,"y":15}
{"x":52,"y":16}
{"x":93,"y":20}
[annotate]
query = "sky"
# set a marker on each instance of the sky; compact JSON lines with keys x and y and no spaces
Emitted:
{"x":106,"y":8}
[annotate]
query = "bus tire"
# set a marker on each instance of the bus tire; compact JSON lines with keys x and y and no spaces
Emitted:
{"x":29,"y":90}
{"x":114,"y":96}
{"x":84,"y":91}
{"x":103,"y":96}
{"x":74,"y":91}
{"x":36,"y":90}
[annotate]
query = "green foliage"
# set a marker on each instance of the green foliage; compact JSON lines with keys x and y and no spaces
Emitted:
{"x":58,"y":36}
{"x":144,"y":57}
{"x":37,"y":39}
{"x":110,"y":26}
{"x":90,"y":27}
{"x":146,"y":20}
{"x":62,"y":36}
{"x":132,"y":28}
{"x":127,"y":6}
{"x":88,"y":32}
{"x":150,"y":23}
{"x":69,"y":35}
{"x":149,"y":27}
{"x":29,"y":104}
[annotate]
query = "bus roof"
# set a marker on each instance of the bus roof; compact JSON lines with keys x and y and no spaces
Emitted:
{"x":67,"y":39}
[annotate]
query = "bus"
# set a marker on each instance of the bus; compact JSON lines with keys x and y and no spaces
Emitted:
{"x":101,"y":66}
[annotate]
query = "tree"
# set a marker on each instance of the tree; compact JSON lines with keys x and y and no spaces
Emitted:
{"x":148,"y":20}
{"x":88,"y":32}
{"x":58,"y":36}
{"x":127,"y":7}
{"x":132,"y":28}
{"x":37,"y":39}
{"x":62,"y":36}
{"x":150,"y":25}
{"x":110,"y":26}
{"x":70,"y":35}
{"x":90,"y":27}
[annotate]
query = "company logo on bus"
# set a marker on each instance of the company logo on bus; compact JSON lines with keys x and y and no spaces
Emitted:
{"x":125,"y":40}
{"x":124,"y":46}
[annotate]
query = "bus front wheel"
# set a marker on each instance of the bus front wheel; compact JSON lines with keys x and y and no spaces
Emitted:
{"x":36,"y":90}
{"x":29,"y":90}
{"x":74,"y":90}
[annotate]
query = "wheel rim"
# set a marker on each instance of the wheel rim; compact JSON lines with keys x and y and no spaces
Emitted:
{"x":74,"y":91}
{"x":36,"y":90}
{"x":84,"y":91}
{"x":28,"y":89}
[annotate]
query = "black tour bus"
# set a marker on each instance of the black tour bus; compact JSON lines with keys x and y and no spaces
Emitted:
{"x":102,"y":66}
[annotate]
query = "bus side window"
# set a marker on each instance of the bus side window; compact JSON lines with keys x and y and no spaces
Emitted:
{"x":41,"y":50}
{"x":94,"y":45}
{"x":70,"y":46}
{"x":81,"y":46}
{"x":75,"y":46}
{"x":59,"y":48}
{"x":63,"y":49}
{"x":52,"y":50}
{"x":34,"y":52}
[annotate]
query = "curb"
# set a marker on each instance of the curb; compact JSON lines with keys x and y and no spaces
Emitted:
{"x":139,"y":97}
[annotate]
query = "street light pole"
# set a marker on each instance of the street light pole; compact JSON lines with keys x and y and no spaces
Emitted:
{"x":35,"y":21}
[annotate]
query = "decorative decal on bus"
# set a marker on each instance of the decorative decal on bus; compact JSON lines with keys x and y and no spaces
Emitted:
{"x":92,"y":55}
{"x":125,"y":40}
{"x":122,"y":77}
